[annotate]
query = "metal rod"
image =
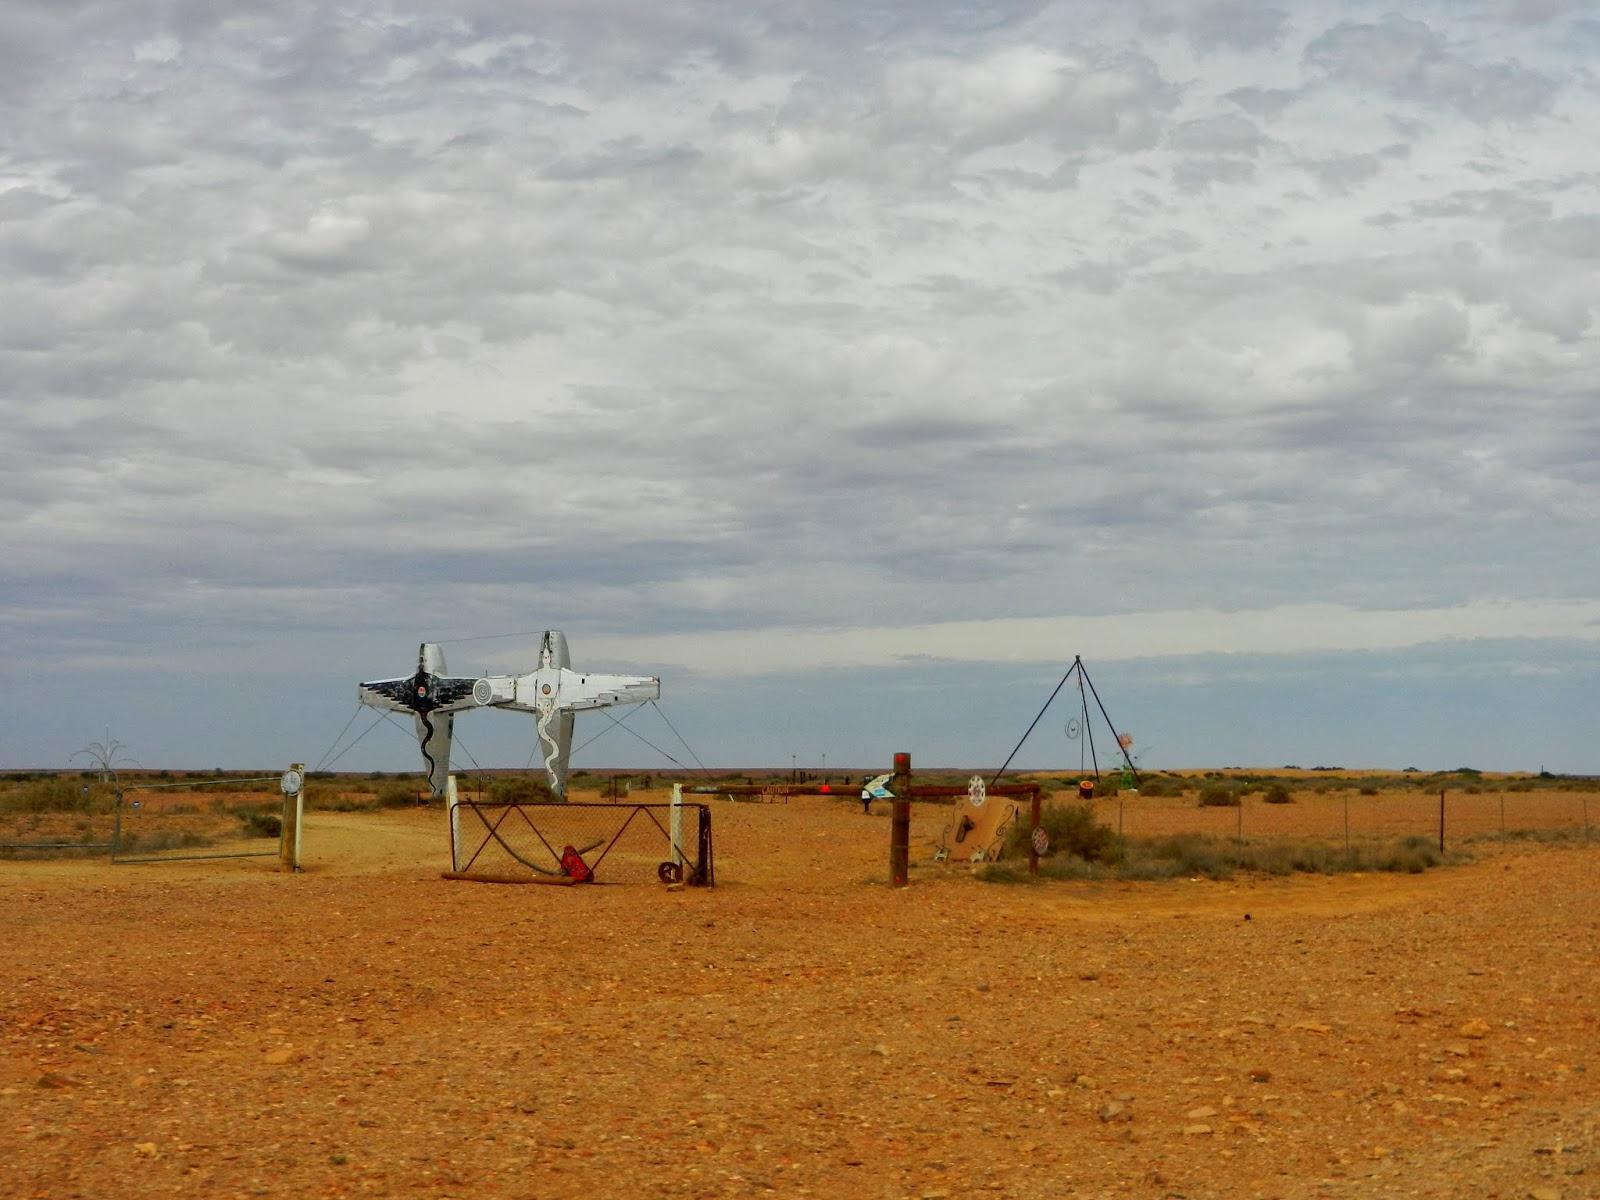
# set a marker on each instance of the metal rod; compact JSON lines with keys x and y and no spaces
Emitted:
{"x":1441,"y":821}
{"x":196,"y":857}
{"x":1109,"y":725}
{"x":1077,"y":664}
{"x":56,"y":845}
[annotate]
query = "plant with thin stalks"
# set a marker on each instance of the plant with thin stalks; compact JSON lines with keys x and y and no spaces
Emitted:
{"x":106,"y":757}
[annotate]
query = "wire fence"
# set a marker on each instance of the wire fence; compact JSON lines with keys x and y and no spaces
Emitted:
{"x":237,"y":817}
{"x":67,"y":817}
{"x":1355,"y":817}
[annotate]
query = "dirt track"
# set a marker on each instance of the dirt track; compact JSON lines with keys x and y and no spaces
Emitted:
{"x":368,"y":1029}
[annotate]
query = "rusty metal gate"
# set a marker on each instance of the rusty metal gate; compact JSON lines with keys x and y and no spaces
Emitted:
{"x":551,"y":842}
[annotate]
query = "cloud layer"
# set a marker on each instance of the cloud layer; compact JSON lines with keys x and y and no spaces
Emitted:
{"x":348,"y":327}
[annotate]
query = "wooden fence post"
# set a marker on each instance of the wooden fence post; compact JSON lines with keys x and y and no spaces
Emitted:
{"x":900,"y":823}
{"x":293,"y":786}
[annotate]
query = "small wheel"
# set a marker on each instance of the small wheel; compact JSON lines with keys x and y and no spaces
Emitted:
{"x":669,"y":872}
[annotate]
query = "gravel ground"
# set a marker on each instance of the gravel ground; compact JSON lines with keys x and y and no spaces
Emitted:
{"x":366,"y":1028}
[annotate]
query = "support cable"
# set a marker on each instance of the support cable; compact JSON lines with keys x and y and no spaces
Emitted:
{"x":1077,"y":664}
{"x":382,"y":717}
{"x":340,"y":738}
{"x":703,"y":768}
{"x":641,"y":737}
{"x":1125,"y":756}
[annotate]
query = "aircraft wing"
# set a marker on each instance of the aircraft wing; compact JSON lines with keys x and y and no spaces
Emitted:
{"x":422,"y":693}
{"x":580,"y":692}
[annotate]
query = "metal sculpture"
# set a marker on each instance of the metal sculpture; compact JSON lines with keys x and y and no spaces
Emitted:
{"x":553,"y":692}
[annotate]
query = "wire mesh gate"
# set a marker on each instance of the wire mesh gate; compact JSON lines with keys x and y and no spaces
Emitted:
{"x":579,"y":843}
{"x":200,"y":819}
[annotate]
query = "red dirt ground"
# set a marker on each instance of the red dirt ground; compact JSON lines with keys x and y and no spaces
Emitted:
{"x":366,"y":1028}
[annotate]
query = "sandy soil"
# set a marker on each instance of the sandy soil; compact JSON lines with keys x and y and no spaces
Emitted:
{"x":366,"y":1028}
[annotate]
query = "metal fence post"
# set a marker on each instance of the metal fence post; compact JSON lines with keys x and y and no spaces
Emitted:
{"x":676,"y":825}
{"x":452,"y":808}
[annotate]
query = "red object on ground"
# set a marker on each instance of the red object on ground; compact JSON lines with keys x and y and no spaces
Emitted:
{"x":825,"y":788}
{"x":573,"y":866}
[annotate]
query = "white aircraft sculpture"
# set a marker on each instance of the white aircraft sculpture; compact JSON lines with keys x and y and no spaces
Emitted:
{"x":552,"y":692}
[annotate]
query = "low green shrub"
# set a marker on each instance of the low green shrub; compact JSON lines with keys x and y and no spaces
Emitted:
{"x":400,"y":795}
{"x":1155,"y":785}
{"x":1073,"y":833}
{"x":521,"y":790}
{"x":1219,"y":794}
{"x":1277,"y":793}
{"x":263,"y":824}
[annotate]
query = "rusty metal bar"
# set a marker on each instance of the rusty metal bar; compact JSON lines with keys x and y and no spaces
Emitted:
{"x":947,"y":791}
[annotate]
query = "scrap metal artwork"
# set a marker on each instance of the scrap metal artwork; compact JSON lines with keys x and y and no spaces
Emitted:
{"x":578,"y":843}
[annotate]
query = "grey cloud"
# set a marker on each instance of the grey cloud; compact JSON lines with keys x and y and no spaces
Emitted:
{"x":1408,"y":58}
{"x":1194,"y":174}
{"x":1226,"y":134}
{"x":1346,"y":172}
{"x":1216,"y":24}
{"x":1267,"y":103}
{"x":624,"y":158}
{"x":1504,"y":204}
{"x":1574,"y":236}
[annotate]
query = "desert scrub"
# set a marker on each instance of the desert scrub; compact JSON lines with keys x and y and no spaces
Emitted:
{"x":1197,"y":855}
{"x":1152,"y":785}
{"x":263,"y":824}
{"x":522,"y":791}
{"x":402,"y":795}
{"x":1219,"y":794}
{"x":1073,"y":833}
{"x":54,"y":793}
{"x":1277,"y":793}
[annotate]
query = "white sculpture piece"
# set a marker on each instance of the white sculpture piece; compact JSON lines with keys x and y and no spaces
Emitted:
{"x":552,"y":693}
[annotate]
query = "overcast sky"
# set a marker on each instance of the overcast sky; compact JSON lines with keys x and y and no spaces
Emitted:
{"x":852,"y":366}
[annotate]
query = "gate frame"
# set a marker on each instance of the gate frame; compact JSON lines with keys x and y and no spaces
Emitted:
{"x":704,"y":876}
{"x":291,"y":783}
